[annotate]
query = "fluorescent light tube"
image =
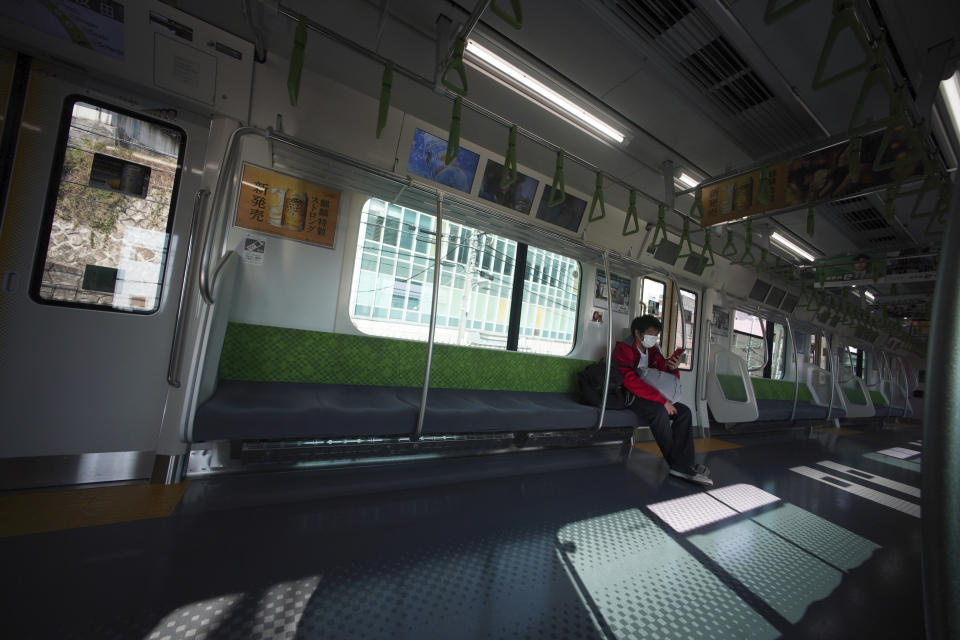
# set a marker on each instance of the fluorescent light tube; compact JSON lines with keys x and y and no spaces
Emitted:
{"x":951,"y":94}
{"x":555,"y":99}
{"x":791,"y":247}
{"x":687,"y":181}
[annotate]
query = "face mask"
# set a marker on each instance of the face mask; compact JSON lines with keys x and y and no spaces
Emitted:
{"x":649,"y":341}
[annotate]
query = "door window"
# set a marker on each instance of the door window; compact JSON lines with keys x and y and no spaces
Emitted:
{"x":106,"y":234}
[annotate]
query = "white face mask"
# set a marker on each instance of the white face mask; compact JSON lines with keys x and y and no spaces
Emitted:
{"x":649,"y":341}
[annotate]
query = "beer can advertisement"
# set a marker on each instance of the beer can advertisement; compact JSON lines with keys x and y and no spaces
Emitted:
{"x":287,"y":206}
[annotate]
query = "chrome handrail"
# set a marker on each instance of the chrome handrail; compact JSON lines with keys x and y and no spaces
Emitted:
{"x":437,"y":259}
{"x":833,"y":376}
{"x":606,"y":375}
{"x":796,"y":370}
{"x":176,"y":348}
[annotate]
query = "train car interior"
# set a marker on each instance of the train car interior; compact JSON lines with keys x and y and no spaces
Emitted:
{"x":479,"y":319}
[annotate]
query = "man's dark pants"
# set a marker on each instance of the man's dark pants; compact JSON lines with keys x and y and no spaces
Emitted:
{"x":676,"y":440}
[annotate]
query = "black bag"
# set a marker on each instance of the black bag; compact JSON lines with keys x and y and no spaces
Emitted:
{"x":590,"y":384}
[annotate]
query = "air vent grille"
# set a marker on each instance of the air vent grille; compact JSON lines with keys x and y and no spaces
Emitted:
{"x":716,"y":74}
{"x":865,"y":225}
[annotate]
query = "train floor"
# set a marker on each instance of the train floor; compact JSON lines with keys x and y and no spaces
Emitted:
{"x":803,"y":536}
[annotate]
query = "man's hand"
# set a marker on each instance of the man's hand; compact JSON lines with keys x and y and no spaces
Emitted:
{"x":671,"y":410}
{"x":673,"y":363}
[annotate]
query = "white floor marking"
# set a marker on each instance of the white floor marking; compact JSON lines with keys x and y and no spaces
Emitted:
{"x":858,"y":490}
{"x":899,"y":452}
{"x":917,"y":443}
{"x":872,"y":477}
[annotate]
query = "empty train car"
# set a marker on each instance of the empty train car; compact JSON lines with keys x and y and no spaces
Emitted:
{"x":470,"y":319}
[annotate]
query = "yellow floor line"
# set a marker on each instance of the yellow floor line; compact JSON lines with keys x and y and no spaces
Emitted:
{"x":840,"y":431}
{"x":26,"y":513}
{"x":699,"y":446}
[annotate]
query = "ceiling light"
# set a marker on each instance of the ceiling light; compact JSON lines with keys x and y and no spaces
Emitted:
{"x":950,"y":88}
{"x":687,"y":181}
{"x":554,"y":98}
{"x":869,"y":296}
{"x":790,"y":246}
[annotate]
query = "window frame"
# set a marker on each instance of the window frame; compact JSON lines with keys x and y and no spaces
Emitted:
{"x":663,"y":306}
{"x":519,"y":265}
{"x":53,"y":192}
{"x":693,"y":336}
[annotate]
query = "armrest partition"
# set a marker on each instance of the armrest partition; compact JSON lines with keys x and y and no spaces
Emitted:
{"x":730,"y":394}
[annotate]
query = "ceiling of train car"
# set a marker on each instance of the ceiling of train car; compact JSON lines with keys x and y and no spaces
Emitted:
{"x":706,"y":84}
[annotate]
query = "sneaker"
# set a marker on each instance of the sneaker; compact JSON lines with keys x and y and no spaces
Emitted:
{"x":702,"y":469}
{"x":696,"y":478}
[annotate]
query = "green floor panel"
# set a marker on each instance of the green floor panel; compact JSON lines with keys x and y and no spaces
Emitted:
{"x":912,"y":465}
{"x":645,"y":585}
{"x":829,"y":542}
{"x":779,"y":573}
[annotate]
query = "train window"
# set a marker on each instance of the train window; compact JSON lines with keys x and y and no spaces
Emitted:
{"x":651,"y":297}
{"x":688,"y":299}
{"x":548,"y":316}
{"x":109,"y":211}
{"x":748,"y":341}
{"x":392,"y":284}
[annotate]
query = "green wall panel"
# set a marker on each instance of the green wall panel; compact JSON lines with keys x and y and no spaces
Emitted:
{"x":275,"y":354}
{"x":878,"y":398}
{"x":765,"y":389}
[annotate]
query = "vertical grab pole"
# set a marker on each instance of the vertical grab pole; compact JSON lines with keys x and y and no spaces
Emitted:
{"x":606,"y":377}
{"x":940,"y":483}
{"x":433,"y":318}
{"x":796,"y":370}
{"x":833,"y":375}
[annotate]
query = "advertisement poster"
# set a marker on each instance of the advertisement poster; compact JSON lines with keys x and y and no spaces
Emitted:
{"x":253,"y":250}
{"x":428,"y":159}
{"x":93,"y":24}
{"x":721,"y":322}
{"x":568,"y":214}
{"x":619,"y":289}
{"x":285,"y":206}
{"x":822,"y":175}
{"x":517,"y":195}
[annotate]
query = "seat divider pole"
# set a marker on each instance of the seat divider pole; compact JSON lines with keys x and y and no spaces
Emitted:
{"x":796,"y":369}
{"x":606,"y":378}
{"x":418,"y":431}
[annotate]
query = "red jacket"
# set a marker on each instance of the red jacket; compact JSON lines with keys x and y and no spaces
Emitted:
{"x":625,"y":360}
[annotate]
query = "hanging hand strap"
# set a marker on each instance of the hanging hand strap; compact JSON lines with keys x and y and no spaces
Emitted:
{"x":516,"y":19}
{"x":696,"y":209}
{"x":453,"y":145}
{"x":844,"y":17}
{"x":685,"y":237}
{"x":385,"y":87}
{"x":558,"y":190}
{"x":765,"y":189}
{"x":631,"y":215}
{"x":707,"y":248}
{"x":854,"y":158}
{"x":456,"y":64}
{"x":296,"y":61}
{"x":748,"y":257}
{"x":660,"y":231}
{"x":510,"y":173}
{"x":729,"y":250}
{"x":597,"y":199}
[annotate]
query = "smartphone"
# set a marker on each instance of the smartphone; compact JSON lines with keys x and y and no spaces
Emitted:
{"x":677,"y":353}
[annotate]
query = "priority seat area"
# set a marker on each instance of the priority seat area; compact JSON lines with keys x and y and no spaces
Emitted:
{"x":279,"y":383}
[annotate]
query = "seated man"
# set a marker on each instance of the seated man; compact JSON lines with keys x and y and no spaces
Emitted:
{"x":676,"y":440}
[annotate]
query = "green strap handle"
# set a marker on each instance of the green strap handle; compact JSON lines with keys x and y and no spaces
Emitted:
{"x":631,"y":215}
{"x":456,"y":64}
{"x":685,"y":237}
{"x":854,"y":158}
{"x":748,"y":257}
{"x":764,"y":188}
{"x":902,"y":167}
{"x":931,"y":183}
{"x":296,"y":61}
{"x":893,"y":191}
{"x":729,"y":250}
{"x":510,"y":173}
{"x":696,"y":209}
{"x":558,"y":190}
{"x":844,"y":17}
{"x":762,"y":263}
{"x":453,"y":145}
{"x":660,"y":231}
{"x":516,"y":19}
{"x":386,"y":85}
{"x":772,"y":14}
{"x":811,"y":220}
{"x":806,"y":295}
{"x":707,"y":248}
{"x":877,"y":76}
{"x":597,"y":199}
